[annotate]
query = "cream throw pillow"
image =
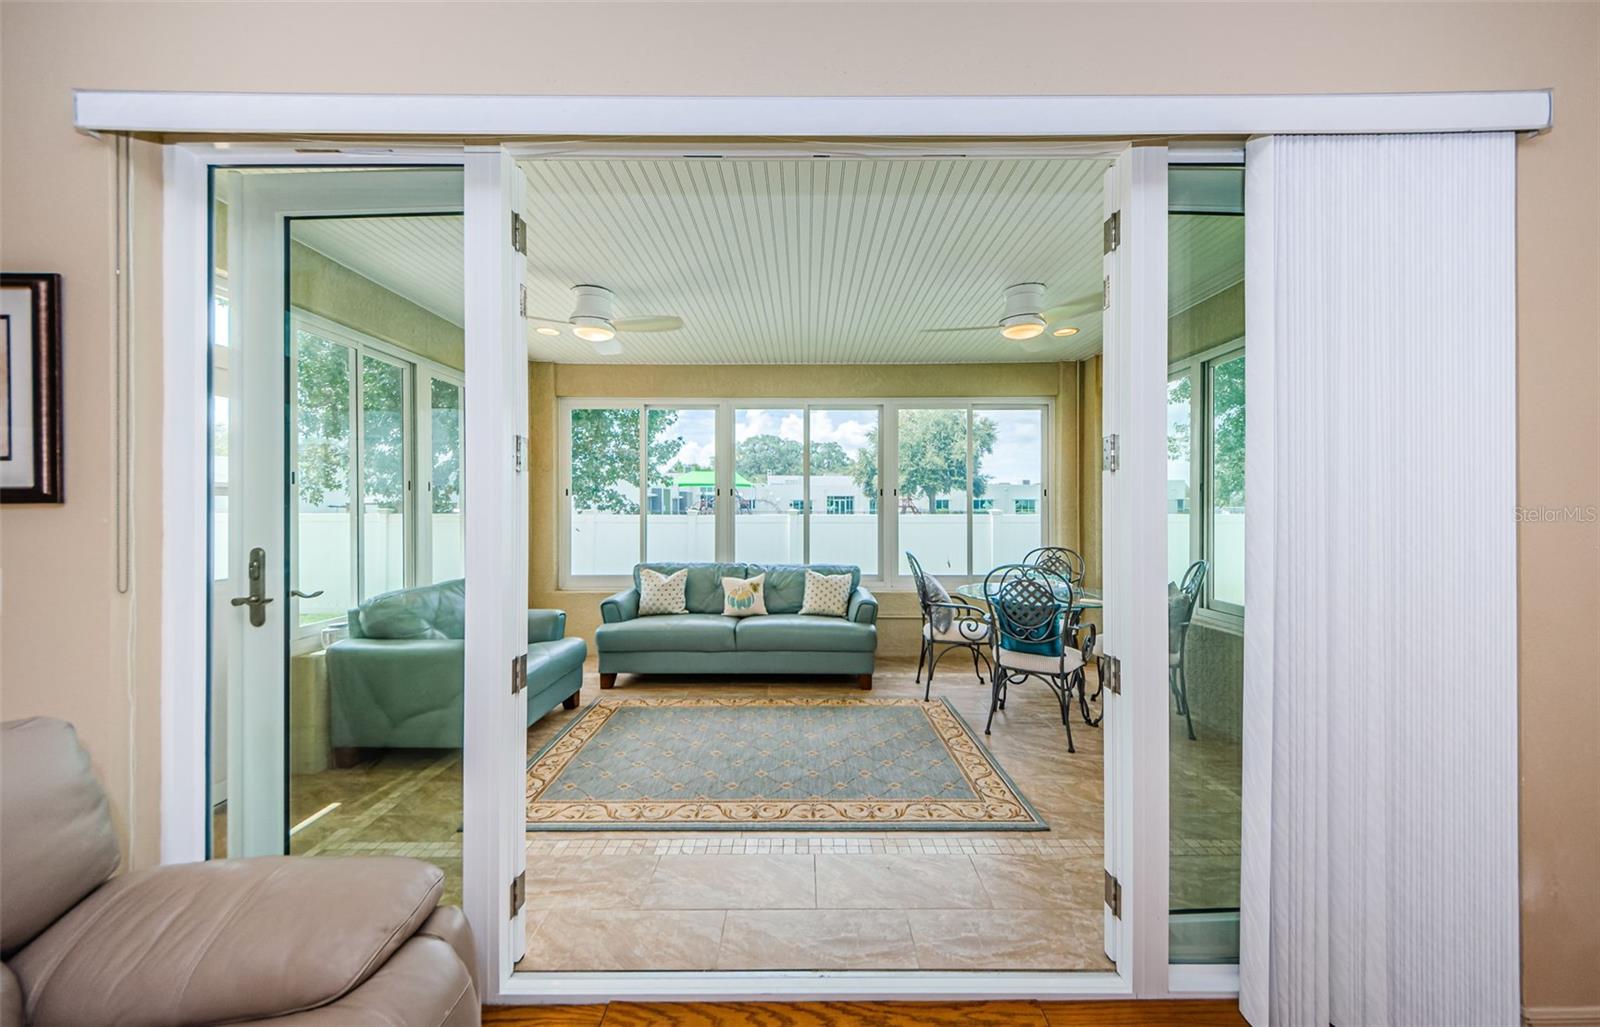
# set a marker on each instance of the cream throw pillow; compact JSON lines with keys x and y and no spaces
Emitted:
{"x":827,"y":595}
{"x":662,"y":593}
{"x":744,"y":597}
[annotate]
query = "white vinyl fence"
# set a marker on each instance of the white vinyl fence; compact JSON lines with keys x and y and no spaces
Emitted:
{"x":604,"y":543}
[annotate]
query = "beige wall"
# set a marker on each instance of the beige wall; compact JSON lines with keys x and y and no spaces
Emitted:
{"x":899,"y":621}
{"x":71,"y":645}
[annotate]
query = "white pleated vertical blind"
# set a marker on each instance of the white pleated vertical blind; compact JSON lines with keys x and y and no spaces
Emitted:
{"x":1380,"y":776}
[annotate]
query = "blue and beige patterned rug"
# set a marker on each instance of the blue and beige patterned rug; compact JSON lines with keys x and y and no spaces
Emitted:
{"x":771,"y":764}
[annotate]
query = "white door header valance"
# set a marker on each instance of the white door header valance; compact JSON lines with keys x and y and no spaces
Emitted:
{"x":340,"y":114}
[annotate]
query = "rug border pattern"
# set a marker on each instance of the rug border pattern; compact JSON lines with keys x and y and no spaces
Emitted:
{"x":999,"y":805}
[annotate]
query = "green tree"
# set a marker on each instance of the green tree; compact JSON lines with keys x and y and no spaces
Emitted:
{"x":322,"y":412}
{"x":760,"y":456}
{"x":829,"y":458}
{"x":447,"y":428}
{"x":933,"y":455}
{"x":605,"y":451}
{"x":1227,"y":433}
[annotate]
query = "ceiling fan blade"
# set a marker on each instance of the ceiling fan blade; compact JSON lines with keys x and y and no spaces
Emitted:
{"x":968,"y":328}
{"x":653,"y":323}
{"x":1080,"y":305}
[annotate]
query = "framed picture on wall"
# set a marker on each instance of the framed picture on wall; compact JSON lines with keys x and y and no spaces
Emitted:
{"x":30,"y":389}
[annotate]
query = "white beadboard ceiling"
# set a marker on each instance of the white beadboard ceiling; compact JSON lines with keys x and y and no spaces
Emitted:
{"x":813,"y":261}
{"x":418,"y":256}
{"x":794,"y":261}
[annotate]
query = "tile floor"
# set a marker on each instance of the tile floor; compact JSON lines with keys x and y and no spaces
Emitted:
{"x":650,"y":900}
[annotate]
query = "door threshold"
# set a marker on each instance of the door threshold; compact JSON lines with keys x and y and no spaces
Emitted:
{"x":810,"y":985}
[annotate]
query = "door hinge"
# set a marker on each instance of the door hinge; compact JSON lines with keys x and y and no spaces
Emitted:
{"x":1110,"y":670}
{"x":1110,"y":454}
{"x":519,"y":673}
{"x":1114,"y":895}
{"x":1113,"y":231}
{"x":519,"y":886}
{"x":522,"y":299}
{"x":1105,"y":294}
{"x":519,"y":234}
{"x":519,"y":453}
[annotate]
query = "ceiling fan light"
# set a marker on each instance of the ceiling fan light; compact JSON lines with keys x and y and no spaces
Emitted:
{"x":593,"y":329}
{"x":609,"y":347}
{"x":1022,"y":326}
{"x":1065,"y":331}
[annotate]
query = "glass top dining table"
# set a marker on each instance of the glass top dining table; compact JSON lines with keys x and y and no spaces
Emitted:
{"x":1082,"y":598}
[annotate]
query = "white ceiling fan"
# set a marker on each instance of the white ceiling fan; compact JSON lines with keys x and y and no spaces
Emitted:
{"x":1026,"y":317}
{"x":594,"y":320}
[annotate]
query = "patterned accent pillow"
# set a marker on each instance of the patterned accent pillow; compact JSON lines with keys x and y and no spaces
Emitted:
{"x":942,"y":616}
{"x":744,"y":597}
{"x":827,"y":595}
{"x":662,"y":593}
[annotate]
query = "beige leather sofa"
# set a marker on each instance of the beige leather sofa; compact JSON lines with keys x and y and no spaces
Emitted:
{"x":281,"y":940}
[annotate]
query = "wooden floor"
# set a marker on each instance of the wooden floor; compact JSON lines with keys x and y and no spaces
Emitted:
{"x":1207,"y":1013}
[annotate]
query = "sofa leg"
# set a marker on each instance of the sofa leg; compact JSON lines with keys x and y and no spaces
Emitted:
{"x":864,"y":682}
{"x":608,"y":681}
{"x":347,"y":756}
{"x":570,"y":702}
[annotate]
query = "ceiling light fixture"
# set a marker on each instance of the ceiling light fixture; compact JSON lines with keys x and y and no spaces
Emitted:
{"x":1022,"y":326}
{"x":608,"y":347}
{"x":593,"y":329}
{"x":1065,"y":331}
{"x":547,"y":330}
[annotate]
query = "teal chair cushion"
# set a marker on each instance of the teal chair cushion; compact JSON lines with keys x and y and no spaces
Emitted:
{"x":790,"y":632}
{"x":681,"y":632}
{"x":702,"y":592}
{"x":786,"y":582}
{"x":428,"y":611}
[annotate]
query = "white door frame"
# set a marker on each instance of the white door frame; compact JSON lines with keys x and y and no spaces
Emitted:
{"x":491,"y":179}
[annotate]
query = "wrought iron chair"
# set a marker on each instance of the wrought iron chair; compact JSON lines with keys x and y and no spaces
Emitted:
{"x":1067,"y":563}
{"x":1180,"y":614}
{"x":948,"y":621}
{"x":1030,"y":606}
{"x":1059,"y":560}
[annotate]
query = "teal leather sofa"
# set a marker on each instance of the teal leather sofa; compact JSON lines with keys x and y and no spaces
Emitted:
{"x":703,"y":641}
{"x":396,"y":682}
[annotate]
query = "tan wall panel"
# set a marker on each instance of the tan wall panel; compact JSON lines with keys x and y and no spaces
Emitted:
{"x":66,"y":635}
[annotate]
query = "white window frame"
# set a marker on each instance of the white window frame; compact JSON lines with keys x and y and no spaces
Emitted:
{"x":1197,"y":367}
{"x":888,"y":577}
{"x":419,"y":372}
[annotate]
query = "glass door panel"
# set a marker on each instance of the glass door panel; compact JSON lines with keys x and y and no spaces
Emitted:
{"x":1007,"y":485}
{"x":932,"y":493}
{"x":681,"y":499}
{"x":843,"y":488}
{"x":385,"y":481}
{"x":769,"y":486}
{"x":603,"y":489}
{"x":444,"y":484}
{"x":1205,"y":557}
{"x":325,"y":519}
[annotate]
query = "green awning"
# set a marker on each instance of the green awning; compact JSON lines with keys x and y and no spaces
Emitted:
{"x":705,"y":478}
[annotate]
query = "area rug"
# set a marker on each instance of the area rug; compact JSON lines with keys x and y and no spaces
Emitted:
{"x":772,"y":764}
